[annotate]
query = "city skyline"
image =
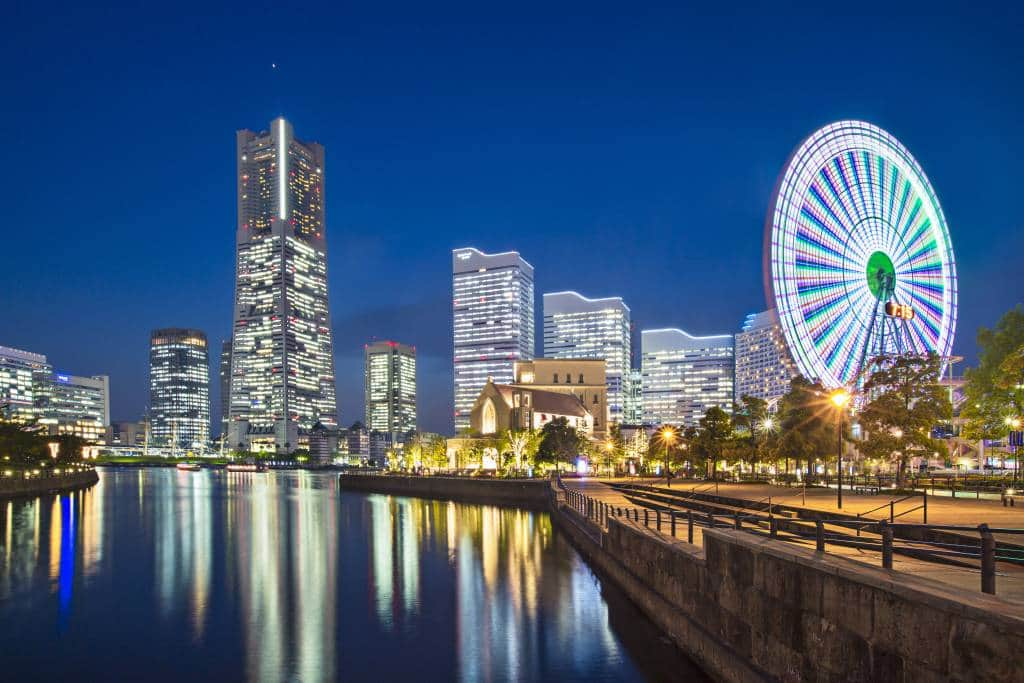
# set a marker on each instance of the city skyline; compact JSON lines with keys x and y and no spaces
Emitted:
{"x":681,"y":229}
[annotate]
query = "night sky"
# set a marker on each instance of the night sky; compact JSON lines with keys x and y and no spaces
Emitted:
{"x":623,"y":149}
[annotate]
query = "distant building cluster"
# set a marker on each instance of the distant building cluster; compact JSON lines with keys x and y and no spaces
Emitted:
{"x":32,"y":392}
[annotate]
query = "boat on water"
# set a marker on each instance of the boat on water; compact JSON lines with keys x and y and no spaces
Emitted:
{"x":245,"y":467}
{"x":188,"y":466}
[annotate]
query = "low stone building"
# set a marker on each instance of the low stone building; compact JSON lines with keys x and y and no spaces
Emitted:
{"x":501,"y":407}
{"x":583,"y":378}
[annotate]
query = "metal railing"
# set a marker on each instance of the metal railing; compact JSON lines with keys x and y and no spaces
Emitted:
{"x":987,"y":552}
{"x":923,"y":506}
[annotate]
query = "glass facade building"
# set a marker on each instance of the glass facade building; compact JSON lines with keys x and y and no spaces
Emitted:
{"x":684,"y":376}
{"x":391,"y":388}
{"x":578,"y":327}
{"x":282,"y":363}
{"x":76,"y":405}
{"x":23,"y":375}
{"x":179,"y":387}
{"x":225,"y":386}
{"x":764,"y":366}
{"x":493,"y":327}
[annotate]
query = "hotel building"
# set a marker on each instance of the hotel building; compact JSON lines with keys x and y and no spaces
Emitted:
{"x":282,"y":364}
{"x":684,"y":376}
{"x":764,"y":366}
{"x":578,"y":327}
{"x":179,"y":387}
{"x":493,"y":328}
{"x":390,"y":388}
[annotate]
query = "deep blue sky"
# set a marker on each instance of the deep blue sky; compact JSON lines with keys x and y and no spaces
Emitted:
{"x":624,"y":149}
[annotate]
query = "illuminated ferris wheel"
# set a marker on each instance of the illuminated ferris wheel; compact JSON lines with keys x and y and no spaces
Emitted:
{"x":861,"y":263}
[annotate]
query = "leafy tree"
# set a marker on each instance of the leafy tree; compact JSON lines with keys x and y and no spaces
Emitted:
{"x":435,"y":452}
{"x":995,"y":389}
{"x":906,"y":402}
{"x":636,"y":447}
{"x":559,"y":443}
{"x":807,"y":427}
{"x":712,"y":436}
{"x":522,"y":445}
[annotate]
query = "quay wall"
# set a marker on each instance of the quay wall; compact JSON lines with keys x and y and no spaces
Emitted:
{"x":528,"y":493}
{"x":747,"y":608}
{"x":12,"y":487}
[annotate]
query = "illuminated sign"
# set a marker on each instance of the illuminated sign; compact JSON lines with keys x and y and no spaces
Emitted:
{"x":895,"y":310}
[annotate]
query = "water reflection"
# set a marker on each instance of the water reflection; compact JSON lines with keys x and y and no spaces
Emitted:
{"x":287,"y":578}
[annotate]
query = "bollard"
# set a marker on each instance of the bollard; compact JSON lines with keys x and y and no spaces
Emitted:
{"x":647,"y":520}
{"x":819,"y":536}
{"x":988,"y":560}
{"x":773,"y":527}
{"x":886,"y":531}
{"x":658,"y":515}
{"x":672,"y":522}
{"x":689,"y":527}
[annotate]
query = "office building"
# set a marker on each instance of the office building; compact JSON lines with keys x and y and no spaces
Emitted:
{"x":225,"y":386}
{"x":22,"y":377}
{"x":578,"y":327}
{"x":684,"y":376}
{"x":126,"y":433}
{"x":390,"y":385}
{"x":79,"y":406}
{"x":584,"y":379}
{"x":635,"y":398}
{"x":282,"y":364}
{"x":492,"y":315}
{"x":179,"y":387}
{"x":764,"y":366}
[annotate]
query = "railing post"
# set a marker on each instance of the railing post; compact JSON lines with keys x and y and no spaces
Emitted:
{"x":988,"y":560}
{"x":672,"y":522}
{"x":658,"y":516}
{"x":892,"y":511}
{"x":711,"y":521}
{"x":886,"y":545}
{"x":925,"y":503}
{"x":736,"y":520}
{"x":647,"y":519}
{"x":819,"y":536}
{"x":773,"y":527}
{"x":689,"y":527}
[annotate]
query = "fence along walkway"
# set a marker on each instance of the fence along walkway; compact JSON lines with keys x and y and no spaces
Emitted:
{"x":964,"y":566}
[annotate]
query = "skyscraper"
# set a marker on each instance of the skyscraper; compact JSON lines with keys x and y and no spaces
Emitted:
{"x":390,"y":388}
{"x":684,"y":375}
{"x":492,"y":311}
{"x":282,"y":364}
{"x":225,"y":387}
{"x":578,"y":327}
{"x":764,"y":365}
{"x":179,"y":387}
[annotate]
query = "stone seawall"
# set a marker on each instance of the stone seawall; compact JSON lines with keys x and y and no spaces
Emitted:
{"x":748,"y":608}
{"x":11,"y":487}
{"x":528,"y":493}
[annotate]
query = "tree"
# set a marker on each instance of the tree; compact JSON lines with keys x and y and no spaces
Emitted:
{"x":435,"y":452}
{"x":522,"y":444}
{"x":559,"y":443}
{"x":906,"y":402}
{"x":749,"y":431}
{"x":714,"y":432}
{"x":636,"y":448}
{"x":995,"y":389}
{"x":806,"y":423}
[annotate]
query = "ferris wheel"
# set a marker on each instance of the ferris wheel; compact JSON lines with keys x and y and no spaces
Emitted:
{"x":860,"y":260}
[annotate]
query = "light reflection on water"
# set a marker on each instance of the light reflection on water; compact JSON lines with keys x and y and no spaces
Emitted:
{"x":281,"y":576}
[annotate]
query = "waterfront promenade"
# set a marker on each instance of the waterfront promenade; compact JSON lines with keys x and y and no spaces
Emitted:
{"x":941,"y":511}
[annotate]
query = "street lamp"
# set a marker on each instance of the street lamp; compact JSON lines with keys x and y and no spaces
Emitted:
{"x":668,"y":437}
{"x":840,"y":397}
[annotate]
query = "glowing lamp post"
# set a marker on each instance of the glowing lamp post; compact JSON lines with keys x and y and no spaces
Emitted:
{"x":668,"y":437}
{"x":840,"y":397}
{"x":1014,"y":424}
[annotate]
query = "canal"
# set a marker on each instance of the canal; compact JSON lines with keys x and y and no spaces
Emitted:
{"x":160,"y":574}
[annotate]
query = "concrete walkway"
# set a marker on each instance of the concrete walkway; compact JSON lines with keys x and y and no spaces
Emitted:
{"x":1009,"y":578}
